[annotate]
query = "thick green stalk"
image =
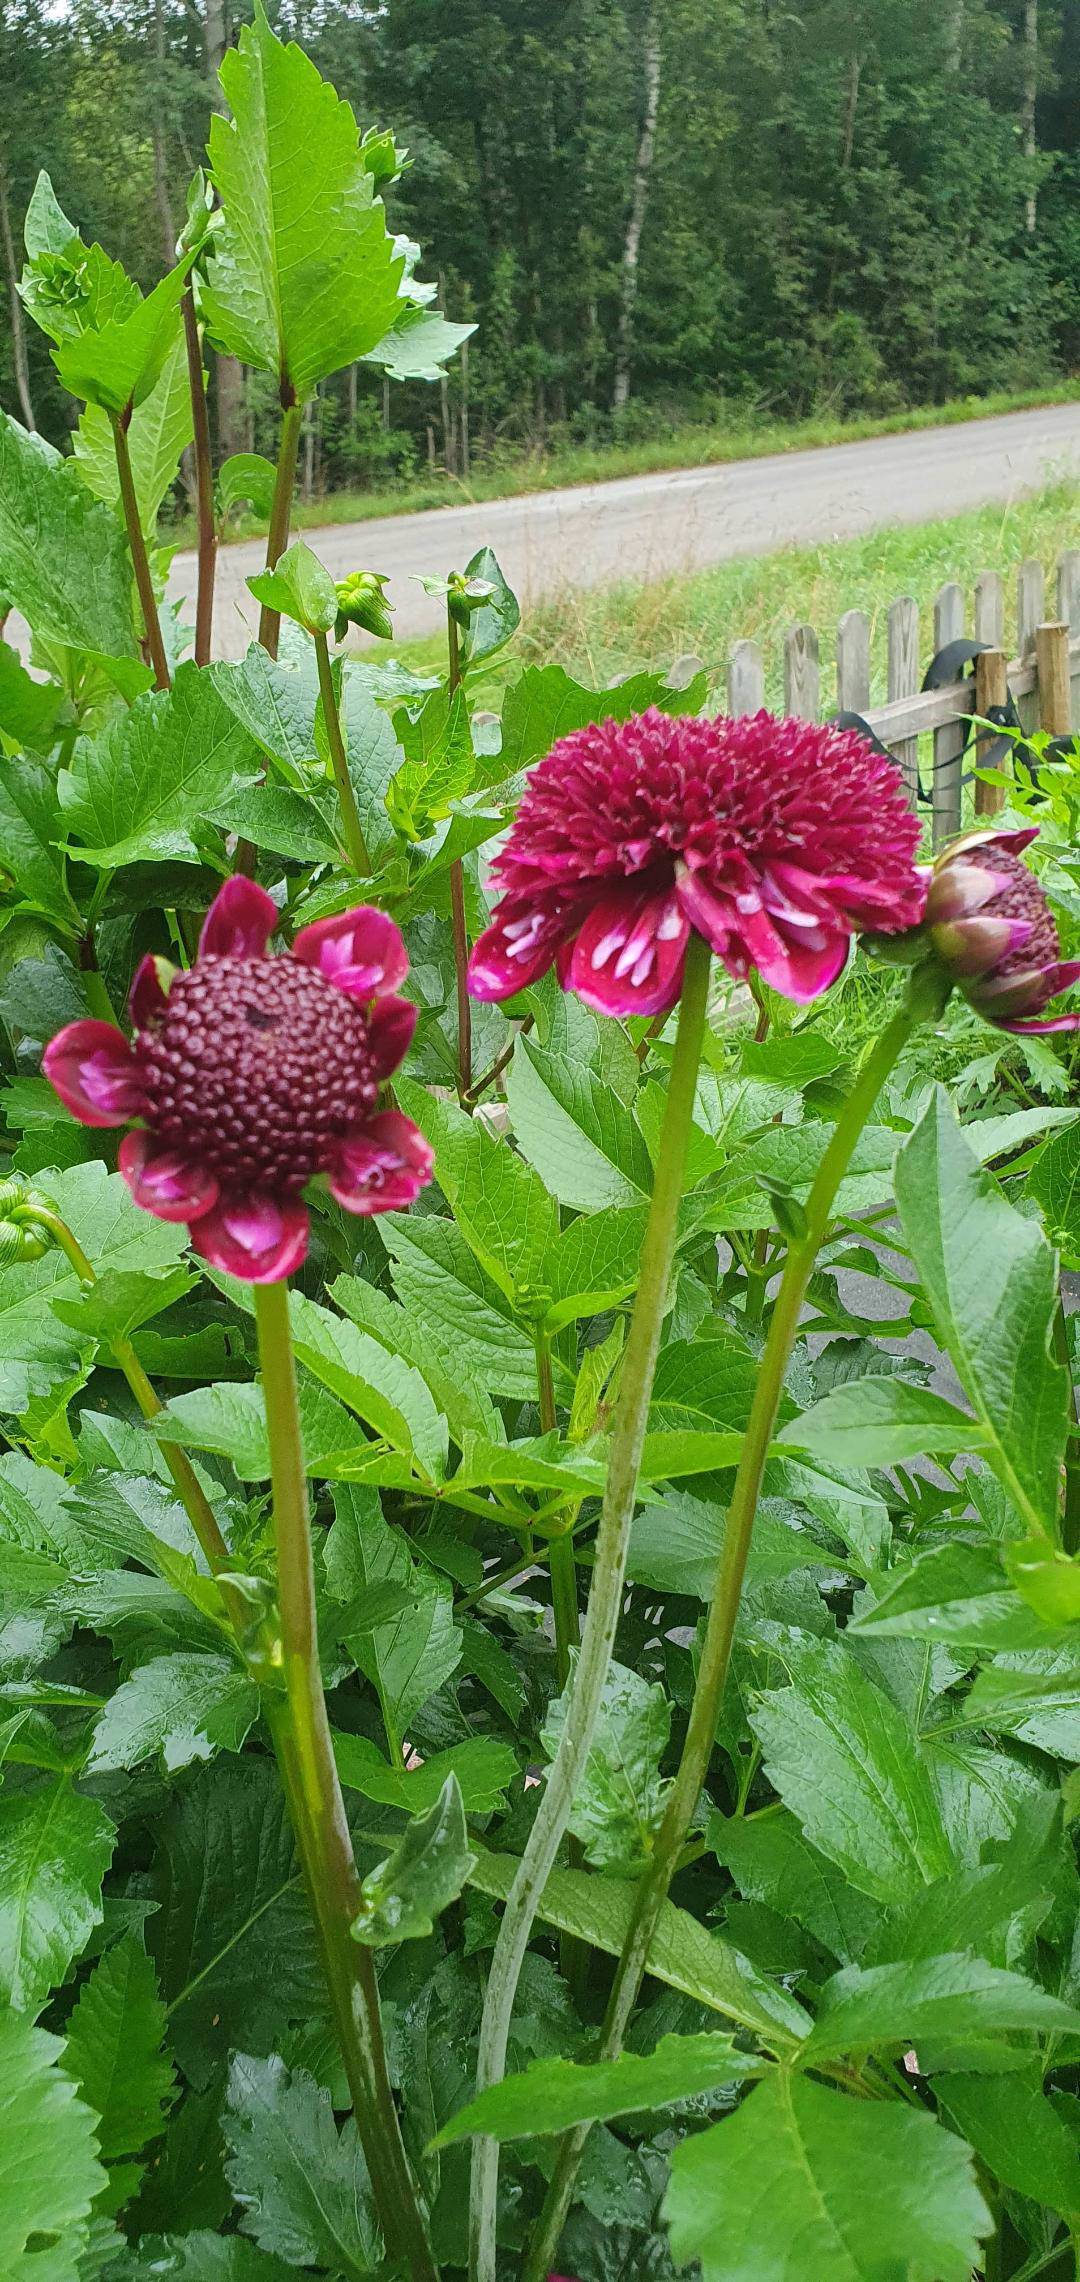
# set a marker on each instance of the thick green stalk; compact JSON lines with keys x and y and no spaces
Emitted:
{"x":277,"y":538}
{"x":350,"y":815}
{"x":140,"y":560}
{"x":605,"y":1596}
{"x":306,"y":1755}
{"x":926,"y":995}
{"x":458,"y":918}
{"x":561,"y":1557}
{"x":204,"y":481}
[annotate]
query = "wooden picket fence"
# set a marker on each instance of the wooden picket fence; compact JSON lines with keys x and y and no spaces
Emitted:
{"x":1043,"y":678}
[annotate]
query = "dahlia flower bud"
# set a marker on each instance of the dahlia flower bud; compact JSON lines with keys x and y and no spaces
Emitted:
{"x":777,"y":841}
{"x":362,"y":602}
{"x":249,"y":1075}
{"x":993,"y":932}
{"x":21,"y":1239}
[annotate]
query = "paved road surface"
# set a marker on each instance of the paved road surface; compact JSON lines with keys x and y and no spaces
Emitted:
{"x":648,"y":525}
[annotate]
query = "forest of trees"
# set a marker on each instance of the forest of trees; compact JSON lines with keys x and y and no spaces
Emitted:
{"x":652,"y":209}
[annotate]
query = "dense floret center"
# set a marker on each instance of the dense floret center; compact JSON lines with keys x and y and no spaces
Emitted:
{"x":257,"y":1069}
{"x":1021,"y":897}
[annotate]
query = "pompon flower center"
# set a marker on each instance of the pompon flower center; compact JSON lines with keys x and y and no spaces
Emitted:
{"x":256,"y":1069}
{"x":1020,"y":897}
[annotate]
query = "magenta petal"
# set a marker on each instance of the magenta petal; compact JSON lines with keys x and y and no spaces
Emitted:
{"x":383,"y":1166}
{"x":391,"y":1023}
{"x":148,"y":996}
{"x":361,"y":952}
{"x":518,"y":947}
{"x":253,"y":1237}
{"x":1057,"y":1022}
{"x":240,"y":921}
{"x":163,"y":1180}
{"x":94,"y":1070}
{"x":629,"y":955}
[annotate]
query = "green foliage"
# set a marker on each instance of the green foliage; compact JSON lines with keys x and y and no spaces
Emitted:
{"x":855,"y":2049}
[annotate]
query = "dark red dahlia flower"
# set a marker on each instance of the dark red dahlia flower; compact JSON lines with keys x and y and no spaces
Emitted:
{"x":776,"y":840}
{"x":993,"y":930}
{"x":249,"y":1075}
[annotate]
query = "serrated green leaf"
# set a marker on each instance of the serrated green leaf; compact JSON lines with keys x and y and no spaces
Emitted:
{"x":231,"y":1937}
{"x":55,"y":1847}
{"x":581,"y":1138}
{"x":63,"y":558}
{"x":116,"y":364}
{"x":302,"y":277}
{"x":955,"y":1592}
{"x":1017,"y":2132}
{"x":851,"y":1769}
{"x":298,"y":588}
{"x":29,"y":830}
{"x":198,"y":2257}
{"x":554,"y":2095}
{"x":403,"y":1899}
{"x":274,"y":699}
{"x":302,"y":2185}
{"x":483,"y":1769}
{"x":441,"y":1282}
{"x":49,"y":2172}
{"x":141,"y":790}
{"x":409,"y":1658}
{"x":772,"y":1862}
{"x":883,"y":1422}
{"x":802,"y":2181}
{"x":230,"y":1418}
{"x":113,"y":2050}
{"x":1033,"y":1694}
{"x":952,"y":1996}
{"x":418,"y":345}
{"x":989,"y":1276}
{"x":545,"y":704}
{"x":186,"y":1707}
{"x":438,"y":766}
{"x":619,"y":1799}
{"x":37,"y":1351}
{"x":159,"y":432}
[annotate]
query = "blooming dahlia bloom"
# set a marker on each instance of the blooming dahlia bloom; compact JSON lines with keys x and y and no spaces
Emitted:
{"x":776,"y":840}
{"x":249,"y":1074}
{"x":993,"y":930}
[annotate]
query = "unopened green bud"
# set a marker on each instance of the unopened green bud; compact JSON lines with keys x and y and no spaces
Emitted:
{"x":362,"y":602}
{"x":21,"y":1237}
{"x":464,"y":595}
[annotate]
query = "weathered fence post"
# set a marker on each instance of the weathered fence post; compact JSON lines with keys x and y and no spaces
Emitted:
{"x":991,"y":692}
{"x":948,"y":740}
{"x":1030,"y":612}
{"x":990,"y":609}
{"x":802,"y":673}
{"x":853,"y":662}
{"x":1068,"y":609}
{"x":746,"y":679}
{"x":1052,"y":666}
{"x":903,"y":626}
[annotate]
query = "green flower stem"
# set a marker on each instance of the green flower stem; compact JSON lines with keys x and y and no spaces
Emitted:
{"x":140,"y":560}
{"x":925,"y":998}
{"x":1070,"y":1520}
{"x":277,"y":538}
{"x":459,"y":921}
{"x":204,"y":481}
{"x":605,"y":1597}
{"x":561,"y":1557}
{"x":189,"y":1489}
{"x":302,"y":1735}
{"x":350,"y":816}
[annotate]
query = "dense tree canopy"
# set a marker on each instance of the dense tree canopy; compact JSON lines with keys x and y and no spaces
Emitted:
{"x":841,"y":203}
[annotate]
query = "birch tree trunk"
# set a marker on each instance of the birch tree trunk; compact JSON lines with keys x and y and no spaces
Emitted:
{"x":161,"y":163}
{"x":18,"y":322}
{"x":954,"y":35}
{"x":639,"y":197}
{"x":1031,"y":87}
{"x":228,"y":371}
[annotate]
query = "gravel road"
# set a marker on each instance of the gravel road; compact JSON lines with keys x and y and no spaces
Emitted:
{"x":647,"y":526}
